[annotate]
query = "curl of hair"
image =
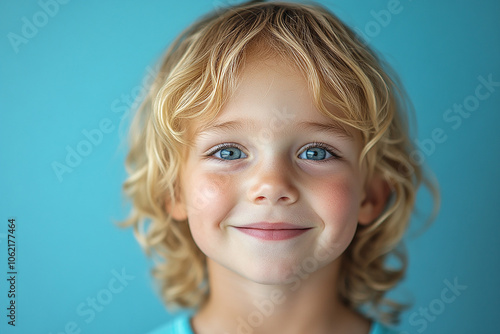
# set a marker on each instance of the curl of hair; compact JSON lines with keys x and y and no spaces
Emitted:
{"x":198,"y":75}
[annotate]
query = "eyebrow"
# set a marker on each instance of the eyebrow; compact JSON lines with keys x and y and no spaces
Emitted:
{"x":333,"y":128}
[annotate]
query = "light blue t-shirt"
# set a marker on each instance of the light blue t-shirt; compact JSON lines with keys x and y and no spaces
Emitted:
{"x":181,"y":325}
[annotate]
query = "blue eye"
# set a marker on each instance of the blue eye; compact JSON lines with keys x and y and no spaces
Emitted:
{"x":317,"y":152}
{"x":228,"y":152}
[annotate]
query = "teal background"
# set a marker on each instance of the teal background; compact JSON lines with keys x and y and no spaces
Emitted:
{"x":76,"y":72}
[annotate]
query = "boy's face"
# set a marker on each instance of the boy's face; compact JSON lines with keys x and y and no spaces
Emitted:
{"x":273,"y":170}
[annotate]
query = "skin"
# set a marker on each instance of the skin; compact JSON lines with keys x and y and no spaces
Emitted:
{"x":269,"y":176}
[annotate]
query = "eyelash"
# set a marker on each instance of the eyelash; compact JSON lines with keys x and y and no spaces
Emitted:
{"x":327,"y":148}
{"x":220,"y":147}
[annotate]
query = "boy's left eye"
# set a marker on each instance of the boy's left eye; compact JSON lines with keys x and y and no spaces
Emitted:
{"x":317,"y":152}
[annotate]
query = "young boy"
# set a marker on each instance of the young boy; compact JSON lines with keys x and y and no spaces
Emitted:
{"x":271,"y":160}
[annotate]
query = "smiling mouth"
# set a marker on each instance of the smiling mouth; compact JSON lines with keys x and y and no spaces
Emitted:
{"x":273,"y":231}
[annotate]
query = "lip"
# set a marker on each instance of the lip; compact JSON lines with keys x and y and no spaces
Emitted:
{"x":272,"y":231}
{"x":274,"y":226}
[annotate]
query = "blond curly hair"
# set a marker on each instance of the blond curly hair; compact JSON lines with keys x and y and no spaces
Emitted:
{"x":197,"y":76}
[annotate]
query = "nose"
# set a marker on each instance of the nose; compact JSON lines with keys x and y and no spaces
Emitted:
{"x":273,"y":184}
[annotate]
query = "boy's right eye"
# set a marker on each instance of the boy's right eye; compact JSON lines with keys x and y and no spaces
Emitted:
{"x":227,"y":151}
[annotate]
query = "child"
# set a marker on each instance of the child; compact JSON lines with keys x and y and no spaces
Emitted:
{"x":272,"y":163}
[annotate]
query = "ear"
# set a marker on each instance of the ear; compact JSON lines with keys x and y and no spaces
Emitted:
{"x":177,"y":210}
{"x":377,"y":192}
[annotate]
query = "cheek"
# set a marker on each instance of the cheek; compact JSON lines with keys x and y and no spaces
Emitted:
{"x":337,"y":205}
{"x":205,"y":191}
{"x":208,"y":197}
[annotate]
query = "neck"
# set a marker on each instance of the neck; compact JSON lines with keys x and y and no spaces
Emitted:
{"x":309,"y":304}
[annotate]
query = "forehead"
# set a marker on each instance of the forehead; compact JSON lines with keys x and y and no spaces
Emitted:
{"x":272,"y":94}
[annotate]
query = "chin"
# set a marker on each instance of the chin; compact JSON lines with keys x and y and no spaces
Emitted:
{"x":273,"y":274}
